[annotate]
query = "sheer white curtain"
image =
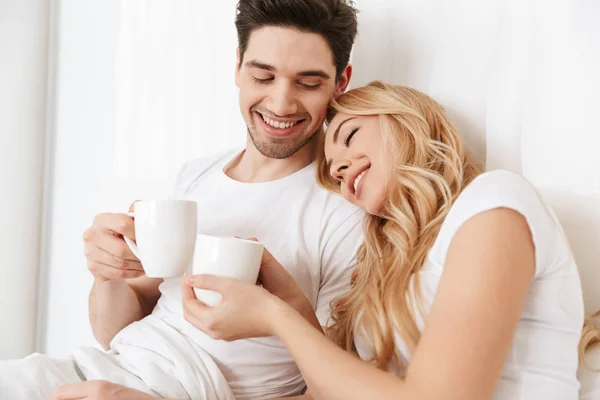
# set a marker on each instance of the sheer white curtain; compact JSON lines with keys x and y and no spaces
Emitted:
{"x":520,"y":79}
{"x":176,"y":97}
{"x":142,"y":86}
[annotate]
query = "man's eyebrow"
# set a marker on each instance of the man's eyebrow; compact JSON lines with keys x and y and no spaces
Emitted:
{"x":260,"y":65}
{"x":316,"y":72}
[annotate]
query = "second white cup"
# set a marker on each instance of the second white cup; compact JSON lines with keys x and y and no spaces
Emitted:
{"x":225,"y":256}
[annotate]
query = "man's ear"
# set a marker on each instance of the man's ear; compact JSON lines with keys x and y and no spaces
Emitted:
{"x":343,"y":82}
{"x":237,"y":67}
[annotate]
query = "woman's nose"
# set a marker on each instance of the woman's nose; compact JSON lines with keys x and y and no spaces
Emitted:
{"x":339,"y":169}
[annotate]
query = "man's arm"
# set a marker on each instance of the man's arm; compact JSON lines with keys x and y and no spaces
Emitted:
{"x":116,"y":303}
{"x":121,"y":293}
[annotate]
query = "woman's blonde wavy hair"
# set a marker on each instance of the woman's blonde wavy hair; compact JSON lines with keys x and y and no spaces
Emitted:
{"x":429,"y":167}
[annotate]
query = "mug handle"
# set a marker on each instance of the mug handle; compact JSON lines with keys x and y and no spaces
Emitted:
{"x":131,"y":243}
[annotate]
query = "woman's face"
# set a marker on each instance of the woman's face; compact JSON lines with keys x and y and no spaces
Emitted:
{"x":353,"y":152}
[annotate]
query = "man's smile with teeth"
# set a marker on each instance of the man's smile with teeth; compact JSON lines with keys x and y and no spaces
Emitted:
{"x":278,"y":124}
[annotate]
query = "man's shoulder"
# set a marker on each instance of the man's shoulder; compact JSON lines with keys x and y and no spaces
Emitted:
{"x":335,"y":204}
{"x":334,"y":211}
{"x":192,"y":170}
{"x":202,"y":164}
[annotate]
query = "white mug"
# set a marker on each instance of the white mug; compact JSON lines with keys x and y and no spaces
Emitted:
{"x":165,"y":232}
{"x":225,"y":256}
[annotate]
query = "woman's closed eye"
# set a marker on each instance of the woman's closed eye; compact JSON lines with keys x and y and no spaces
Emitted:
{"x":350,"y":136}
{"x":347,"y":140}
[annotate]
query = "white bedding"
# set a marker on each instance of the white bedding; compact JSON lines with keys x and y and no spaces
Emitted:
{"x":148,"y":355}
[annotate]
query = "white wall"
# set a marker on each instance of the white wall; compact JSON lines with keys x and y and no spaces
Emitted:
{"x":431,"y":46}
{"x":82,"y":164}
{"x":23,"y":72}
{"x":519,"y":80}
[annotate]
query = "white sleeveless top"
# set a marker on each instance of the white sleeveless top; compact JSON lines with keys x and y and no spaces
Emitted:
{"x":542,"y":362}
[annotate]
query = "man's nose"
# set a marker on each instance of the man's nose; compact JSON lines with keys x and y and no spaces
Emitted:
{"x":283,"y":101}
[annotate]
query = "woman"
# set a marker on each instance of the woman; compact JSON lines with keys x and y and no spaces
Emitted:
{"x":465,"y":287}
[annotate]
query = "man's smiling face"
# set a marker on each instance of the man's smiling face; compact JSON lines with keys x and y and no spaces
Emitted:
{"x":286,"y":80}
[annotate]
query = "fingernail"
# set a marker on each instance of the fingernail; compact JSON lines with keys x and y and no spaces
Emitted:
{"x":189,"y":279}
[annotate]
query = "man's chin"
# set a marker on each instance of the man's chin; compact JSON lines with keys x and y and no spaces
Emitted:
{"x":277,"y":149}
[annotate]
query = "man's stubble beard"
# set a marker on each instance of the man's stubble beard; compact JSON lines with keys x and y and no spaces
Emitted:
{"x":280,"y":150}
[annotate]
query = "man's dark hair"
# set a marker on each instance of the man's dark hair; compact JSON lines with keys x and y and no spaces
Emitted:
{"x":334,"y":20}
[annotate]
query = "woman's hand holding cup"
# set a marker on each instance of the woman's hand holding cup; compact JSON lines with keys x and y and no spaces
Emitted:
{"x":223,"y":299}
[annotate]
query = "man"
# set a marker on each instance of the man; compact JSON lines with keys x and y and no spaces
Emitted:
{"x":292,"y":59}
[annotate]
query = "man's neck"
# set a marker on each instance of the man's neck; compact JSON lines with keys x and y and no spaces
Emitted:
{"x":253,"y":167}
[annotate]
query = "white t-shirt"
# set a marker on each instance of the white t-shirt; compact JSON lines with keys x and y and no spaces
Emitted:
{"x":314,"y":234}
{"x":542,"y":362}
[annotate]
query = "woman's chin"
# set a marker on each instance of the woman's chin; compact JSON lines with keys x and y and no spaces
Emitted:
{"x":373,"y":208}
{"x":370,"y":207}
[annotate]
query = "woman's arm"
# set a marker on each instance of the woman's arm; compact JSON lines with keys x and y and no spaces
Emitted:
{"x":468,"y":333}
{"x":488,"y":270}
{"x":278,"y":281}
{"x":99,"y":390}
